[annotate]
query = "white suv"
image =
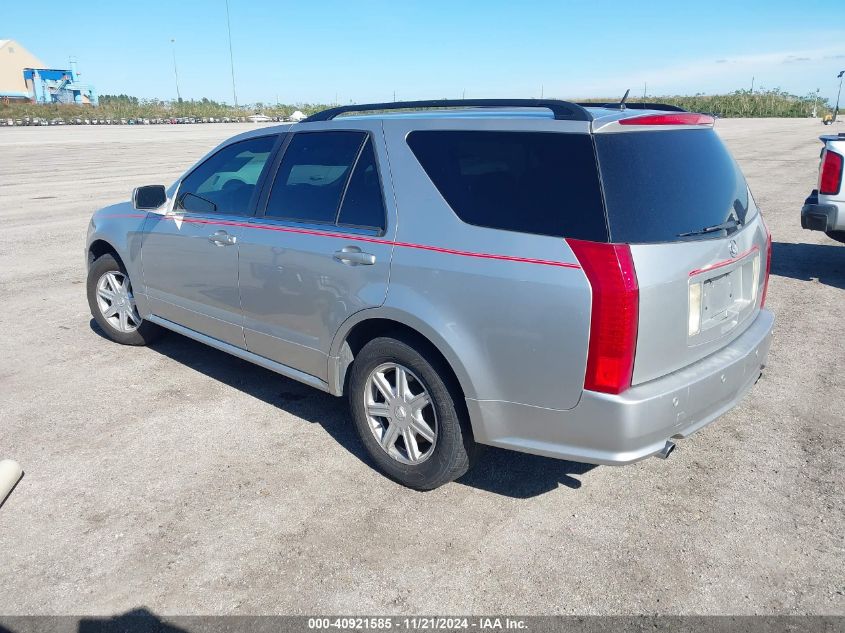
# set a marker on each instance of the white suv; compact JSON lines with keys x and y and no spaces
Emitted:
{"x":824,"y":209}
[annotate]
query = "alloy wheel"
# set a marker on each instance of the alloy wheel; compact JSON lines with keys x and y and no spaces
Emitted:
{"x":116,"y":302}
{"x":400,"y":413}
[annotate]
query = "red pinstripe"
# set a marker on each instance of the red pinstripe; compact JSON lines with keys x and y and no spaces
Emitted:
{"x":726,"y":262}
{"x":363,"y":238}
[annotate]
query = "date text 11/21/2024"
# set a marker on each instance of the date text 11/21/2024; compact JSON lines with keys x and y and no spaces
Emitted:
{"x":423,"y":623}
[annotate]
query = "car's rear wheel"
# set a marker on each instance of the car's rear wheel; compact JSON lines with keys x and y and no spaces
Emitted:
{"x":112,"y":304}
{"x":408,"y":415}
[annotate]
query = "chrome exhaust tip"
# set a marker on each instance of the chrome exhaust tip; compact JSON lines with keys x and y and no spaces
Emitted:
{"x":667,"y":449}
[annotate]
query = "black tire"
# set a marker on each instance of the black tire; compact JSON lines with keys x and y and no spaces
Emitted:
{"x":145,"y":333}
{"x":839,"y":236}
{"x":454,"y":450}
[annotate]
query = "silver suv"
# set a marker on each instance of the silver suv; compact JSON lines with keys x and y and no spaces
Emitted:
{"x":581,"y":282}
{"x":824,"y":209}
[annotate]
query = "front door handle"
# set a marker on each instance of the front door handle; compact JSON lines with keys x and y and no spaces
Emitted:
{"x":352,"y":255}
{"x":222,"y":238}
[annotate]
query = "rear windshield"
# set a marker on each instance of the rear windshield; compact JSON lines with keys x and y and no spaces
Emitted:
{"x":530,"y":182}
{"x":661,"y":185}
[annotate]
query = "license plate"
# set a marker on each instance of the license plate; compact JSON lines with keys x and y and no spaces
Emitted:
{"x":719,"y":294}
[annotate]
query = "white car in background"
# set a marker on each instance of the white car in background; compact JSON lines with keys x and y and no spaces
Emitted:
{"x":824,"y":209}
{"x":258,"y":118}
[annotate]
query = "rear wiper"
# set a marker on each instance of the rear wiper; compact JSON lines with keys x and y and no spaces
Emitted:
{"x":724,"y":226}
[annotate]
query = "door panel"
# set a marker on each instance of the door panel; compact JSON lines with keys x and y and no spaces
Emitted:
{"x":190,"y":256}
{"x":301,"y":274}
{"x":192,"y":280}
{"x":295,"y":292}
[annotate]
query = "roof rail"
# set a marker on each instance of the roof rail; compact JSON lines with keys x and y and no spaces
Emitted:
{"x":562,"y":110}
{"x":633,"y":106}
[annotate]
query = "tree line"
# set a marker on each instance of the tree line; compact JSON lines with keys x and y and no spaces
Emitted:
{"x":741,"y":103}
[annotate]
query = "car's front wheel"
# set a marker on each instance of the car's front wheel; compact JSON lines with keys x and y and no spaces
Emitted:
{"x":112,"y":304}
{"x":408,"y":415}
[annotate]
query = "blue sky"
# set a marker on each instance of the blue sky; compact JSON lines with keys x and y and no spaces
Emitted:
{"x":365,"y":50}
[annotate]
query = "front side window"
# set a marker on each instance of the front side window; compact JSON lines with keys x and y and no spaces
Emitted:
{"x":313,"y":175}
{"x":226,"y":182}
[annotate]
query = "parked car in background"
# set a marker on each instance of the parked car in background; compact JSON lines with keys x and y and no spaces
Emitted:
{"x":824,"y":208}
{"x":586,"y":282}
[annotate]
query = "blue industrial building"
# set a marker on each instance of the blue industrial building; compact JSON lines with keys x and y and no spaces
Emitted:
{"x":23,"y":77}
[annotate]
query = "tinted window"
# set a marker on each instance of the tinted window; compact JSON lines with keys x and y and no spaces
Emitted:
{"x":312,"y":176}
{"x":532,"y":182}
{"x":226,"y":181}
{"x":658,"y":185}
{"x":363,"y":204}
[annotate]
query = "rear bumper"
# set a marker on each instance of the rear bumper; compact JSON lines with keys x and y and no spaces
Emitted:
{"x":820,"y":217}
{"x":619,"y":429}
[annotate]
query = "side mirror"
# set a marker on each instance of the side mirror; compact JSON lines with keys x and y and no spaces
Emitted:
{"x":149,"y":197}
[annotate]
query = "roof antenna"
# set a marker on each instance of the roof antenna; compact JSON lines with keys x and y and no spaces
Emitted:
{"x":624,"y":98}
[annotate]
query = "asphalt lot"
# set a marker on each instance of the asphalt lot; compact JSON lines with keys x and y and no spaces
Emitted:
{"x":185,"y":481}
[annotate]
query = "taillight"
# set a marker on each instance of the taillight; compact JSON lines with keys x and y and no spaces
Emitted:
{"x":613,"y":322}
{"x":675,"y":118}
{"x":830,"y":177}
{"x":768,"y":266}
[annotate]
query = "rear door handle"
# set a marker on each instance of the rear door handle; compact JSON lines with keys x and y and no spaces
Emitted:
{"x":222,"y":238}
{"x":352,"y":255}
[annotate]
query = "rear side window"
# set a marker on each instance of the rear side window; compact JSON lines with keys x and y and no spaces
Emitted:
{"x":661,"y":185}
{"x":313,"y":175}
{"x":530,"y":182}
{"x":225,"y":182}
{"x":363,"y":204}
